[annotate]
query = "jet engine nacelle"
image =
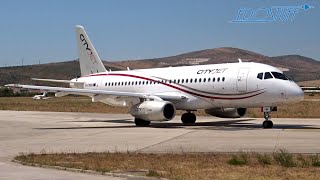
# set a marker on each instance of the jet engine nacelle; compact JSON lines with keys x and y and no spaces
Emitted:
{"x":227,"y":112}
{"x":154,"y":111}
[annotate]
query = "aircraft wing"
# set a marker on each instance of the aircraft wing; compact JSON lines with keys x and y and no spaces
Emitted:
{"x":61,"y":91}
{"x":56,"y":80}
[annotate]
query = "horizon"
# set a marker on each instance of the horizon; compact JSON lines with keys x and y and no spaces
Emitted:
{"x":157,"y":58}
{"x":123,"y":30}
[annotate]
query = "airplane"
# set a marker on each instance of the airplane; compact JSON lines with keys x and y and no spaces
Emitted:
{"x":224,"y":90}
{"x":42,"y":96}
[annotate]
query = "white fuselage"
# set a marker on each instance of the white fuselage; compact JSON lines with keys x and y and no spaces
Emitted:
{"x":203,"y":86}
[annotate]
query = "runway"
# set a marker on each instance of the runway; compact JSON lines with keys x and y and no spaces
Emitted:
{"x":22,"y":131}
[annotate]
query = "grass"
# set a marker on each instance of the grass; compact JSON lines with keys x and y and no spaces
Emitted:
{"x":239,"y":159}
{"x":284,"y":158}
{"x":184,"y":166}
{"x":315,"y":161}
{"x":153,"y":173}
{"x":264,"y":159}
{"x":304,"y":109}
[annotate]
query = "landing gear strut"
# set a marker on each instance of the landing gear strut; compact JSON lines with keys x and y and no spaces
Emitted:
{"x":141,"y":123}
{"x":267,"y":123}
{"x":188,"y":118}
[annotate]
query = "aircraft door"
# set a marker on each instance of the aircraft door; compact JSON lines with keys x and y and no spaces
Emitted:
{"x":242,"y":79}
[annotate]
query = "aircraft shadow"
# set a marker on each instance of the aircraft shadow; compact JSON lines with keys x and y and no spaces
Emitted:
{"x":120,"y":121}
{"x":235,"y":124}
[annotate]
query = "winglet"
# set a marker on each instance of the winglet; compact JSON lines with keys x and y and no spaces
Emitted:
{"x":240,"y":61}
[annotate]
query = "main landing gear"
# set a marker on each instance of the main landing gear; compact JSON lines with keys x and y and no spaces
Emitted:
{"x":266,"y":113}
{"x":141,"y":123}
{"x":188,"y":118}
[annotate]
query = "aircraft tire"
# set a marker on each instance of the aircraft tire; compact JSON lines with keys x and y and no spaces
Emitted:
{"x":188,"y":118}
{"x":267,"y":124}
{"x":141,"y":123}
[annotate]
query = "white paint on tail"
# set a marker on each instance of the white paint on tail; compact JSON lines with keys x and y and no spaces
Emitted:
{"x":89,"y":59}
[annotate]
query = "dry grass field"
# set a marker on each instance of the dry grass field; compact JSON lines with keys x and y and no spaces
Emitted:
{"x":310,"y":83}
{"x":309,"y":108}
{"x":242,"y":165}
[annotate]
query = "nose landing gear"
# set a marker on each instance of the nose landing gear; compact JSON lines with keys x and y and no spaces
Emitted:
{"x":267,"y":123}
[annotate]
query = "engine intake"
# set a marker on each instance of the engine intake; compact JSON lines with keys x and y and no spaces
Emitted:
{"x":154,"y":111}
{"x":227,"y":112}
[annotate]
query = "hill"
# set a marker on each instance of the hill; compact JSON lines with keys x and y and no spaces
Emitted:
{"x":300,"y":68}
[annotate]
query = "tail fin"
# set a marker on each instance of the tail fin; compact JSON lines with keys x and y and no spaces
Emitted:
{"x":90,"y":61}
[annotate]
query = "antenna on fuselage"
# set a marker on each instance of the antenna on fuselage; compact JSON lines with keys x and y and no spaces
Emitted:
{"x":128,"y":68}
{"x":240,"y":61}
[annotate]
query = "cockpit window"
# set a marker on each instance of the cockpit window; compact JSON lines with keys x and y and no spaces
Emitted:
{"x":278,"y":75}
{"x":268,"y":75}
{"x":260,"y":76}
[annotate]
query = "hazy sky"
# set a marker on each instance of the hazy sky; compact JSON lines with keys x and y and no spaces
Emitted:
{"x":35,"y":30}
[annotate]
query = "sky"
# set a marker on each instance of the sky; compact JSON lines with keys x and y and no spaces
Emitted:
{"x":42,"y":31}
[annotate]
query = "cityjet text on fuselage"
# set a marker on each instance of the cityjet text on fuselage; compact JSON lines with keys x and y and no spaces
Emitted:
{"x":211,"y":71}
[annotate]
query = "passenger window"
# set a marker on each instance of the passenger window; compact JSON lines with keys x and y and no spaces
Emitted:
{"x":178,"y":81}
{"x":190,"y":80}
{"x":209,"y":79}
{"x":182,"y":80}
{"x":267,"y":75}
{"x":218,"y":79}
{"x":199,"y":80}
{"x":204,"y":80}
{"x":213,"y":79}
{"x":223,"y":79}
{"x":195,"y":80}
{"x":186,"y":80}
{"x":260,"y":76}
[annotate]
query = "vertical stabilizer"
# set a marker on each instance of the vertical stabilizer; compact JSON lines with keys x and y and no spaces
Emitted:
{"x":89,"y":59}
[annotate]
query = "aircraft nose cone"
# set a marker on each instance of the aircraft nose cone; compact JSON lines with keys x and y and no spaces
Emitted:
{"x":295,"y":94}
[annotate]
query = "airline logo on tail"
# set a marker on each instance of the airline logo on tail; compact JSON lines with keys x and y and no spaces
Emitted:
{"x":89,"y":51}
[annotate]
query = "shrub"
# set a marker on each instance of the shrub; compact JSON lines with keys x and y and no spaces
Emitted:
{"x":153,"y":173}
{"x":241,"y":159}
{"x":284,"y":158}
{"x":303,"y":161}
{"x":315,"y":161}
{"x":264,"y":159}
